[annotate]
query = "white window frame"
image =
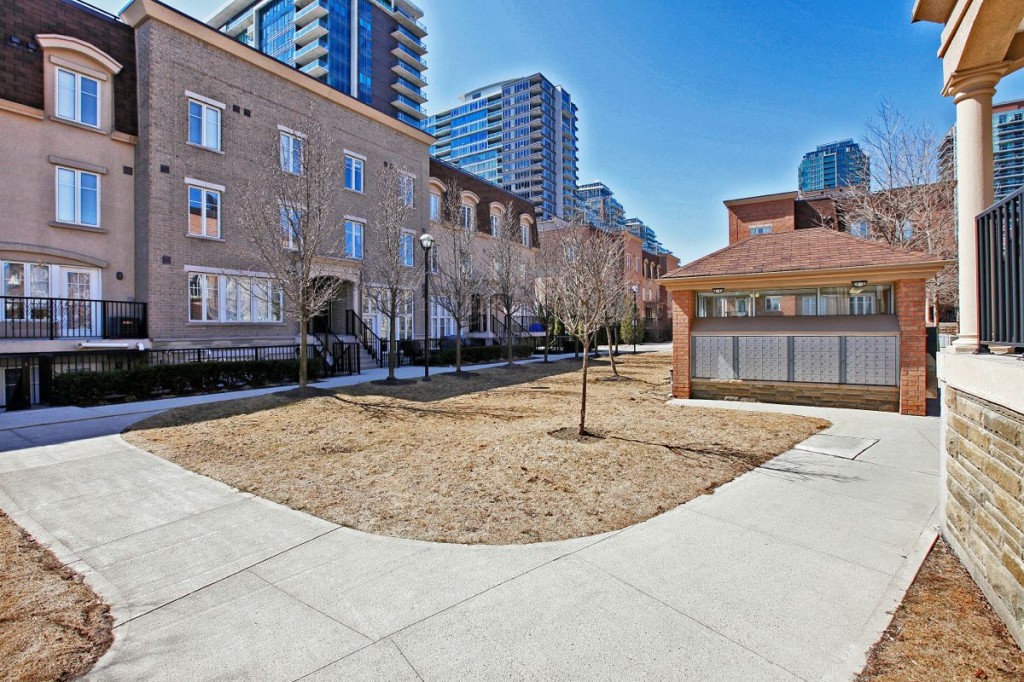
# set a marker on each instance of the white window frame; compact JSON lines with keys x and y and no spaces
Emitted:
{"x":292,"y":233}
{"x":78,"y":196}
{"x":773,"y":304}
{"x":205,"y":188}
{"x":495,"y":224}
{"x":289,"y":140}
{"x":407,"y":188}
{"x":357,"y":235}
{"x":355,"y":159}
{"x":524,"y":234}
{"x":467,"y":216}
{"x":205,"y":105}
{"x":407,"y":249}
{"x":76,"y":117}
{"x":435,"y":206}
{"x":760,"y":229}
{"x":273,"y":300}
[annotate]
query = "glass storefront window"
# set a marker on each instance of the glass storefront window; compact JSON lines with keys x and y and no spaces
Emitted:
{"x":868,"y":300}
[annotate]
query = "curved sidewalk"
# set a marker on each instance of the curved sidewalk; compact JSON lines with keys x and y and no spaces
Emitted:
{"x":789,"y":572}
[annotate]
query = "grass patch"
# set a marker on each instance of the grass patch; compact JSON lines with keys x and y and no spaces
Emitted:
{"x":52,"y":625}
{"x":944,"y":630}
{"x":473,"y":459}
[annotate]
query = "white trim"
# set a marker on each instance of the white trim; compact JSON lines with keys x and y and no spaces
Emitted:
{"x":192,"y":182}
{"x":226,"y":271}
{"x":78,"y":196}
{"x":357,"y":219}
{"x":293,"y":133}
{"x":205,"y":100}
{"x":75,"y":66}
{"x":77,"y":117}
{"x":357,"y":155}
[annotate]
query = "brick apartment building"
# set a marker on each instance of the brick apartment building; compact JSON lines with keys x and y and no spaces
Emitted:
{"x":783,"y":212}
{"x":213,"y":109}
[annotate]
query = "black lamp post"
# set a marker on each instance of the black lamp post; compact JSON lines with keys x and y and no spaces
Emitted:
{"x":427,"y":242}
{"x":634,"y":289}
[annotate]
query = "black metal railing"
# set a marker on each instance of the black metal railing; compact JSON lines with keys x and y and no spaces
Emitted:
{"x":354,"y":326}
{"x":336,"y":354}
{"x":1000,"y":231}
{"x":70,"y":318}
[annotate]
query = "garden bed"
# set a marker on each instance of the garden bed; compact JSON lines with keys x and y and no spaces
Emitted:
{"x":477,"y":459}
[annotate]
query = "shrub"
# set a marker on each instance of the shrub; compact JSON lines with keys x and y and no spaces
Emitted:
{"x":155,"y":381}
{"x":479,"y":354}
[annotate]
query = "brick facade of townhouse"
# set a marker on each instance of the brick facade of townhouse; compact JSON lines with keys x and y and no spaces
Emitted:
{"x":784,"y":212}
{"x":187,"y":68}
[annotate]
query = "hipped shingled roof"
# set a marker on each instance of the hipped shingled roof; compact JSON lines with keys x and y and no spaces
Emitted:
{"x":797,"y":251}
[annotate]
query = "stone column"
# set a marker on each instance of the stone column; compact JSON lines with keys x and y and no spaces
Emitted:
{"x":684,"y":309}
{"x":973,"y":99}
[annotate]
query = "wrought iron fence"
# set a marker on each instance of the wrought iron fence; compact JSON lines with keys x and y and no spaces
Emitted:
{"x":70,"y":318}
{"x":1000,"y":231}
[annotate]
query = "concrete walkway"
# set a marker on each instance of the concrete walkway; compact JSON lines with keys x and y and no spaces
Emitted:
{"x":788,"y":573}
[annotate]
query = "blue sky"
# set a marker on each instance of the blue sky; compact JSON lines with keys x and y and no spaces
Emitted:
{"x":683,"y":105}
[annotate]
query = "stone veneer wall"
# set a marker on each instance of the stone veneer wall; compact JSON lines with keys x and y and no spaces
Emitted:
{"x":882,"y":398}
{"x":984,"y":447}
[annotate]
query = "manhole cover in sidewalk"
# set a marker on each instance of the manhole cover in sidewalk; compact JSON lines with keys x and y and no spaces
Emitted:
{"x":846,"y":447}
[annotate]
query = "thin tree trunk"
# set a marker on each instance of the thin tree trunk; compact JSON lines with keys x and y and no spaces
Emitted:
{"x":611,"y":349}
{"x":303,"y":360}
{"x":392,"y":339}
{"x":508,"y":333}
{"x":458,"y":351}
{"x":547,"y":339}
{"x":583,"y":394}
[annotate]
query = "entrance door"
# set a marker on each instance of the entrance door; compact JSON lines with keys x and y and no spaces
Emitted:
{"x":79,"y":318}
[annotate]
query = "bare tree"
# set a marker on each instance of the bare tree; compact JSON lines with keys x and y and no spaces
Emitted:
{"x":909,"y":204}
{"x":289,"y":217}
{"x":587,"y":260}
{"x":512,"y":276}
{"x":456,"y":282}
{"x":391,"y":272}
{"x":546,"y":271}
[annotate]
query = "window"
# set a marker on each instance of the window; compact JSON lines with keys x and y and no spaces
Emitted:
{"x":203,"y":125}
{"x":353,"y":239}
{"x":435,"y":206}
{"x":524,"y":234}
{"x":860,"y":228}
{"x":862,"y":304}
{"x":291,"y":153}
{"x":405,"y":249}
{"x":16,"y":287}
{"x":407,"y":188}
{"x":291,"y":226}
{"x":908,"y":230}
{"x":78,"y":98}
{"x":495,"y":224}
{"x":760,"y":229}
{"x":234,"y":299}
{"x":468,"y":214}
{"x":203,"y":212}
{"x":442,"y":324}
{"x":773,"y":304}
{"x":353,"y":173}
{"x":78,"y":197}
{"x":432,"y":266}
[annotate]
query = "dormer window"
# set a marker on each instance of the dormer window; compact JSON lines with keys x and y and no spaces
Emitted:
{"x":78,"y":98}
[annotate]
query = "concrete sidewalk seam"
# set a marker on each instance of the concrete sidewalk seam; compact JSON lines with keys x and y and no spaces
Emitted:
{"x":307,"y":604}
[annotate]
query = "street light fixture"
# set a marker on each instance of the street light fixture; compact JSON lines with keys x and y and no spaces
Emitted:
{"x":427,"y":242}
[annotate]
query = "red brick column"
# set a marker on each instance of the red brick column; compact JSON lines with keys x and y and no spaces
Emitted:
{"x":910,"y":300}
{"x":684,"y":309}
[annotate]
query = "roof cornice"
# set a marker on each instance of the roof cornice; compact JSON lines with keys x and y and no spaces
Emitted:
{"x":822,"y":277}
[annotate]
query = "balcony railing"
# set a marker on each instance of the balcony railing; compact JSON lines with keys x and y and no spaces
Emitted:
{"x":1001,"y":272}
{"x":70,"y":318}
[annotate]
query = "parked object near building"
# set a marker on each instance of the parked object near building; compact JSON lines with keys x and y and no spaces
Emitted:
{"x":519,"y":134}
{"x":371,"y":50}
{"x":810,"y":316}
{"x":833,"y":166}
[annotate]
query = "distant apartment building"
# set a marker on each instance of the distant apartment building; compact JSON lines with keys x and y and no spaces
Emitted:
{"x":1007,"y":149}
{"x":520,"y":134}
{"x":833,"y":166}
{"x":647,"y":234}
{"x":369,"y":49}
{"x":601,"y":207}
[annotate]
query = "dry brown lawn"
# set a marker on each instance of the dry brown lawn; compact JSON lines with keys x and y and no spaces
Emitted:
{"x":944,"y":630}
{"x":481,"y":459}
{"x":52,"y":626}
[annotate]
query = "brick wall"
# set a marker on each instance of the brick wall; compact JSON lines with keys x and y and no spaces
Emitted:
{"x":171,"y":61}
{"x":684,"y":309}
{"x":985,"y":498}
{"x":778,"y":213}
{"x":910,"y":300}
{"x":881,"y":398}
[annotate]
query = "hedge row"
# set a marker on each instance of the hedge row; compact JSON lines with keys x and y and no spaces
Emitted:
{"x":479,"y":354}
{"x":156,"y":381}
